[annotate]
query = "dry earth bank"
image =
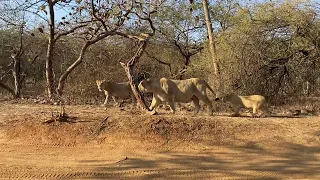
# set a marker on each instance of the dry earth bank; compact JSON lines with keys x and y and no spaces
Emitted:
{"x":117,"y":143}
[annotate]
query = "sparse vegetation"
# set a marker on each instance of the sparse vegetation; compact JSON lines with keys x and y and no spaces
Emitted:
{"x":268,"y":48}
{"x":53,"y":127}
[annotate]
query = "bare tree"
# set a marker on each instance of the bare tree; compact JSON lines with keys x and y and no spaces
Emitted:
{"x":212,"y":45}
{"x":182,"y":31}
{"x":103,"y":25}
{"x":54,"y":36}
{"x":96,"y":30}
{"x":11,"y":17}
{"x":142,"y":39}
{"x":16,"y":71}
{"x":129,"y":71}
{"x":15,"y":67}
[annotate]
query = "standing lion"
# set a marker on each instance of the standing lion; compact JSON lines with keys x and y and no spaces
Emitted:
{"x":171,"y":91}
{"x":256,"y":102}
{"x":115,"y":89}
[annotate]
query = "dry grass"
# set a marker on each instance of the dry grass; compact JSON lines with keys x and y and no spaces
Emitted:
{"x":93,"y":124}
{"x":125,"y":143}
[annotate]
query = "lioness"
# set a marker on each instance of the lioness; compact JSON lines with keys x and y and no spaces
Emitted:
{"x":167,"y":90}
{"x":256,"y":102}
{"x":114,"y":89}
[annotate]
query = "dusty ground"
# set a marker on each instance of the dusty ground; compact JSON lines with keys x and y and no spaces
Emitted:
{"x":124,"y":144}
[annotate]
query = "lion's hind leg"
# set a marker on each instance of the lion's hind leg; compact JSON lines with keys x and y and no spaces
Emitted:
{"x":259,"y":110}
{"x":206,"y":100}
{"x":195,"y":101}
{"x":172,"y":106}
{"x":236,"y":112}
{"x":265,"y":111}
{"x":116,"y":101}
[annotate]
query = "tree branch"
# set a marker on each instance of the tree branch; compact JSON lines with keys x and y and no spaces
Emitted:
{"x":95,"y":16}
{"x":24,"y":72}
{"x":59,"y":35}
{"x":6,"y":87}
{"x":161,"y":62}
{"x":79,"y":60}
{"x":140,"y":37}
{"x":149,"y":21}
{"x":129,"y":71}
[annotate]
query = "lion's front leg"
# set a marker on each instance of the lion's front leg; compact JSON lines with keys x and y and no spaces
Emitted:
{"x":116,"y":102}
{"x":236,"y":112}
{"x":134,"y":100}
{"x":107,"y":98}
{"x":255,"y":111}
{"x":171,"y":104}
{"x":264,"y":111}
{"x":195,"y":101}
{"x":155,"y":103}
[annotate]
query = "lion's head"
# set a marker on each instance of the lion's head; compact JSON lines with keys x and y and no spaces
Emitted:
{"x":223,"y":97}
{"x":102,"y":84}
{"x":145,"y":86}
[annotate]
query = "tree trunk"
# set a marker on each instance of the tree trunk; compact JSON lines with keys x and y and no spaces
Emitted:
{"x":212,"y":46}
{"x":88,"y":43}
{"x":129,"y":71}
{"x":64,"y":76}
{"x":186,"y":64}
{"x":17,"y":78}
{"x":49,"y":71}
{"x":6,"y":87}
{"x":53,"y":38}
{"x":49,"y":55}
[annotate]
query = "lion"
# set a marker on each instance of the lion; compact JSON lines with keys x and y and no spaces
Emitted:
{"x":171,"y":91}
{"x":256,"y":102}
{"x":115,"y":89}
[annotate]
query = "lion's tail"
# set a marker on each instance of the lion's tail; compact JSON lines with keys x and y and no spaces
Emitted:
{"x":208,"y":86}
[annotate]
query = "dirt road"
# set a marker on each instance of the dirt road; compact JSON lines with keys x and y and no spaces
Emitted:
{"x":123,"y":144}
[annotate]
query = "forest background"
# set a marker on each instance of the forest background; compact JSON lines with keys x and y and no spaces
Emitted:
{"x":59,"y":48}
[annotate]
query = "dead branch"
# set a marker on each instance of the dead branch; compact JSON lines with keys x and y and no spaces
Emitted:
{"x":129,"y":71}
{"x":161,"y":62}
{"x":6,"y":87}
{"x":59,"y":35}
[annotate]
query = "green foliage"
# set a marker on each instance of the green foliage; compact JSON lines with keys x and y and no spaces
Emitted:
{"x":270,"y":48}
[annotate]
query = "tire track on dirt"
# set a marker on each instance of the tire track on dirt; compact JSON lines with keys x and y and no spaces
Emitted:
{"x":59,"y":175}
{"x":48,"y":145}
{"x":168,"y":173}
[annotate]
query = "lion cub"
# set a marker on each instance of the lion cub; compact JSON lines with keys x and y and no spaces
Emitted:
{"x":256,"y":102}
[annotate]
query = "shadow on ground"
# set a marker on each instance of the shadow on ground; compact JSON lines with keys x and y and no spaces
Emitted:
{"x":297,"y":161}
